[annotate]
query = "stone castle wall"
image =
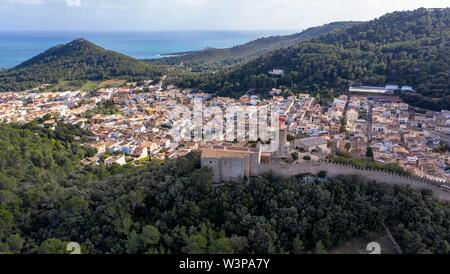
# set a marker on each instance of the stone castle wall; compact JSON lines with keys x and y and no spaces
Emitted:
{"x":334,"y":170}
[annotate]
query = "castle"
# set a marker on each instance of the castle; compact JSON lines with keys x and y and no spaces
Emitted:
{"x":229,"y":163}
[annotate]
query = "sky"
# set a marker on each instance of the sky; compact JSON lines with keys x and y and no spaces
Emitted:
{"x":177,"y":15}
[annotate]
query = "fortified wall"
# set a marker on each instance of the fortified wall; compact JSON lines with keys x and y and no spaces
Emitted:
{"x":230,"y":163}
{"x":334,"y":170}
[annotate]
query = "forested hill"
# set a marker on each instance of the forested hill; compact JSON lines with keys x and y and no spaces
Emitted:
{"x":77,"y":60}
{"x":48,"y":199}
{"x":407,"y":48}
{"x":219,"y":58}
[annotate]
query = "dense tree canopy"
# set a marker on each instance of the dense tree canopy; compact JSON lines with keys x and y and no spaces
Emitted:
{"x":212,"y":59}
{"x":406,"y":48}
{"x":48,"y":200}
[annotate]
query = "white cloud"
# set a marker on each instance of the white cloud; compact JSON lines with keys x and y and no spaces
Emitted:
{"x":24,"y":2}
{"x":73,"y":3}
{"x":202,"y":14}
{"x":282,"y":14}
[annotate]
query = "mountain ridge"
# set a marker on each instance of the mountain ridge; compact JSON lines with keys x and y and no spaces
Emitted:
{"x":76,"y":60}
{"x":212,"y":58}
{"x":407,"y":48}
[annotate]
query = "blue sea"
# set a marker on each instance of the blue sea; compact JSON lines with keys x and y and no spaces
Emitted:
{"x":17,"y":47}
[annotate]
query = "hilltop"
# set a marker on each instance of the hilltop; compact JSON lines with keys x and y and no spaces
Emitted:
{"x":222,"y":58}
{"x":77,"y":60}
{"x":174,"y":208}
{"x":407,"y":48}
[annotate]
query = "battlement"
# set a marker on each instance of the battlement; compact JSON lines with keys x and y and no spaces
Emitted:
{"x":327,"y":164}
{"x":230,"y":163}
{"x":335,"y":169}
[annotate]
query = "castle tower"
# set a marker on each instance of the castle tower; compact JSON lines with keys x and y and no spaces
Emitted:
{"x":283,"y":136}
{"x":283,"y":146}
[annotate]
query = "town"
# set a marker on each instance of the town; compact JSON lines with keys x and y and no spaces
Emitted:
{"x":132,"y":123}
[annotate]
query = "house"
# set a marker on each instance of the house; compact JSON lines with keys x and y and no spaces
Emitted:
{"x":407,"y":89}
{"x":101,"y":148}
{"x":140,"y":152}
{"x":443,"y":129}
{"x":445,"y":114}
{"x":276,"y":72}
{"x":335,"y":127}
{"x":152,"y":147}
{"x":254,"y":100}
{"x":403,"y":118}
{"x":392,"y":87}
{"x":50,"y":123}
{"x":352,"y":114}
{"x":128,"y":149}
{"x":379,"y":127}
{"x":244,"y":99}
{"x":124,"y":90}
{"x":312,"y":143}
{"x":119,"y":160}
{"x":370,"y":89}
{"x":87,"y":161}
{"x":275,"y":92}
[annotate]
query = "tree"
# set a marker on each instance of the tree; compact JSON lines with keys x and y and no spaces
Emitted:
{"x":348,"y":146}
{"x":76,"y":62}
{"x":150,"y":235}
{"x":298,"y":246}
{"x":220,"y":245}
{"x":195,"y":244}
{"x":375,"y":53}
{"x":6,"y":220}
{"x":239,"y":244}
{"x":320,"y":248}
{"x":290,"y":138}
{"x":15,"y":243}
{"x":47,"y":117}
{"x":53,"y":246}
{"x":134,"y":243}
{"x":262,"y":237}
{"x":158,"y":208}
{"x":369,"y":153}
{"x":322,"y":174}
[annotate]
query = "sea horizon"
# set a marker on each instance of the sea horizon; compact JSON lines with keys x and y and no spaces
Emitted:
{"x":21,"y":45}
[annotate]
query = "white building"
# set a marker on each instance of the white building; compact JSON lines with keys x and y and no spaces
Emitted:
{"x":276,"y":72}
{"x":369,"y":89}
{"x":119,"y":160}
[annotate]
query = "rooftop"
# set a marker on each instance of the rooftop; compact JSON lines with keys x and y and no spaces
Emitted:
{"x":219,"y":153}
{"x":312,"y":141}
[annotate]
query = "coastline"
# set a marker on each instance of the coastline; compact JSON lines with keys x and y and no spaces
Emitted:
{"x":19,"y":46}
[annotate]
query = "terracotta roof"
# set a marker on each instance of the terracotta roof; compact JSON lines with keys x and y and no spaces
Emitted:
{"x":215,"y":153}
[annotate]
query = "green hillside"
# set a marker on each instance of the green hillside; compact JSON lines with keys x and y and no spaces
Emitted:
{"x":173,"y":208}
{"x":77,"y":60}
{"x":221,"y":58}
{"x":407,"y":48}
